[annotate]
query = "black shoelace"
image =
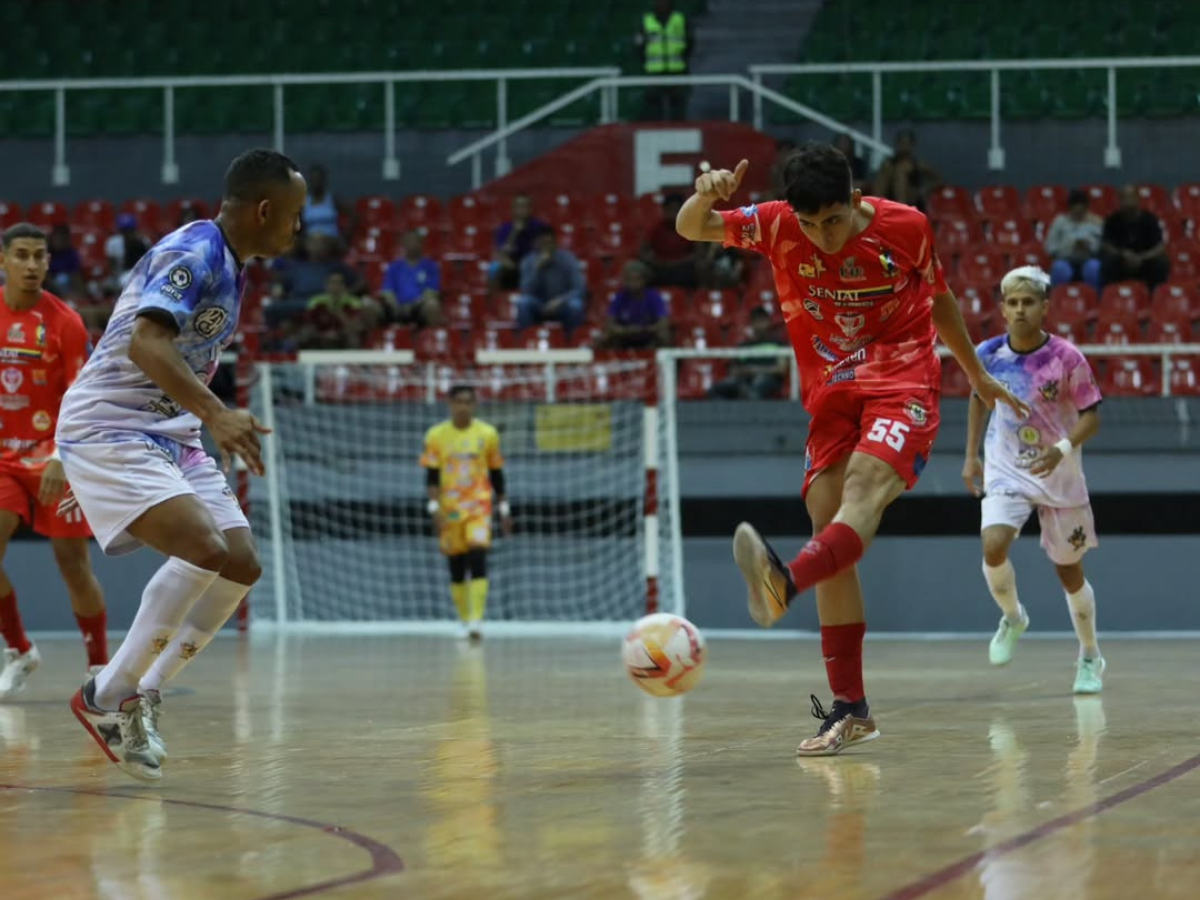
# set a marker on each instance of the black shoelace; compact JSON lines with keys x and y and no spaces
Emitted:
{"x":840,"y":710}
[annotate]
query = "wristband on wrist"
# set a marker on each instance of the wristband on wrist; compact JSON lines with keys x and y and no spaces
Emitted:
{"x":1065,"y":446}
{"x":504,"y":509}
{"x":432,"y":507}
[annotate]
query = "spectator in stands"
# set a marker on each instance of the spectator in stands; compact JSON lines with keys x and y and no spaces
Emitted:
{"x":335,"y":319}
{"x":783,"y":151}
{"x":674,"y":261}
{"x":904,"y":177}
{"x":125,"y":248}
{"x":637,"y":315}
{"x":755,"y":378}
{"x":65,"y":275}
{"x":552,"y":285}
{"x":412,"y":284}
{"x":1073,"y":243}
{"x":188,"y":213}
{"x":514,"y":240}
{"x":305,"y":274}
{"x":858,"y":165}
{"x":1133,"y":245}
{"x":665,"y":44}
{"x":322,"y":210}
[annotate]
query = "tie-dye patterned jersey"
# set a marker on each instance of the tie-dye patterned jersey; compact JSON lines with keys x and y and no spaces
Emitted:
{"x":860,"y":319}
{"x":191,"y":276}
{"x":1058,"y":384}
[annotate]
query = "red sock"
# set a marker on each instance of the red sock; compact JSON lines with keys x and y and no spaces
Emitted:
{"x":95,"y":637}
{"x":10,"y":624}
{"x":837,"y":547}
{"x":842,"y":648}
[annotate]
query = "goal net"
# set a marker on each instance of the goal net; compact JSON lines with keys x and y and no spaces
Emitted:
{"x":340,"y":517}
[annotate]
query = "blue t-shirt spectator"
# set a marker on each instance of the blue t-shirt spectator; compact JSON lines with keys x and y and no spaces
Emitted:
{"x":643,"y":308}
{"x":408,"y":281}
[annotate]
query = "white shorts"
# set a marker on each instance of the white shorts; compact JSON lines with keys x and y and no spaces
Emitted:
{"x":116,"y":483}
{"x":1067,"y":534}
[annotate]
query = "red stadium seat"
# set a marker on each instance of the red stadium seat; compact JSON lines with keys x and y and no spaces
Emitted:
{"x":437,"y":344}
{"x":570,"y":237}
{"x":981,"y":265}
{"x":1187,"y":201}
{"x":954,"y":380}
{"x":95,"y":214}
{"x":373,"y":269}
{"x":950,"y":201}
{"x":1126,"y":298}
{"x":174,"y":211}
{"x":1130,"y":376}
{"x":147,"y":212}
{"x":1011,"y":232}
{"x":47,"y":214}
{"x":1172,"y":299}
{"x":958,"y":232}
{"x":587,"y":336}
{"x":1117,"y":329}
{"x":375,"y":211}
{"x":374,"y":242}
{"x":1072,"y":319}
{"x":1170,"y":331}
{"x":700,"y":335}
{"x":472,"y":209}
{"x":1185,"y":258}
{"x":1045,"y":201}
{"x":419,"y":209}
{"x":1104,"y":199}
{"x":10,"y":214}
{"x":1156,"y":199}
{"x":982,"y":325}
{"x":468,"y":243}
{"x":394,"y":337}
{"x":1184,"y":377}
{"x":1073,"y":331}
{"x":1076,"y":297}
{"x":998,"y":201}
{"x":465,"y":309}
{"x":1030,"y":253}
{"x":504,"y":312}
{"x":615,"y":239}
{"x":493,"y":339}
{"x":697,"y":376}
{"x":975,"y":298}
{"x":548,"y":336}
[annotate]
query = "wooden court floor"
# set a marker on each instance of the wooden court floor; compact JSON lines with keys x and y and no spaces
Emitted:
{"x":416,"y":767}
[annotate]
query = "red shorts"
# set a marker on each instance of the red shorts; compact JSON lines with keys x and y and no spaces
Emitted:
{"x":18,"y":494}
{"x":898,"y":428}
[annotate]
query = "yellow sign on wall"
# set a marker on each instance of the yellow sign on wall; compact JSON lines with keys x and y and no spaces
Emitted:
{"x":564,"y":428}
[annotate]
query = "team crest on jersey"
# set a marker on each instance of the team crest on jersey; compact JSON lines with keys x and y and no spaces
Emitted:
{"x":850,"y":323}
{"x":1049,"y":390}
{"x":849,"y":344}
{"x":813,"y":309}
{"x":916,"y":412}
{"x":12,"y":379}
{"x":750,"y":211}
{"x":812,"y":271}
{"x":823,"y":351}
{"x":1029,"y":435}
{"x":885,"y":312}
{"x":851,"y":270}
{"x":180,"y":278}
{"x":887,"y":263}
{"x":39,"y":376}
{"x":16,"y":333}
{"x":39,"y":335}
{"x":42,"y":420}
{"x":1078,"y":538}
{"x":210,"y":322}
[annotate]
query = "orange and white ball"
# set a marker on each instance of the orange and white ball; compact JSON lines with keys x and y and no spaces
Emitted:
{"x":664,"y":654}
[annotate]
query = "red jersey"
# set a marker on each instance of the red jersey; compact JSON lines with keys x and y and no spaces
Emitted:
{"x":860,"y":319}
{"x":42,"y":349}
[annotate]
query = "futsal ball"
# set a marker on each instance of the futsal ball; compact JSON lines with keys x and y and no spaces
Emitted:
{"x":664,"y":654}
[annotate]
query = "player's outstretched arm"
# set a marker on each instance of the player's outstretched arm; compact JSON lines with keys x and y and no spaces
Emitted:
{"x":697,"y":221}
{"x":152,"y":349}
{"x":952,"y":330}
{"x":973,"y":466}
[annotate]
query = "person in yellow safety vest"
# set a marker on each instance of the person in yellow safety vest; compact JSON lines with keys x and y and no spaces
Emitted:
{"x":665,"y":42}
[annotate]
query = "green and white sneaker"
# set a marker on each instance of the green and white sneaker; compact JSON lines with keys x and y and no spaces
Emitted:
{"x":1000,"y":650}
{"x":1089,"y":676}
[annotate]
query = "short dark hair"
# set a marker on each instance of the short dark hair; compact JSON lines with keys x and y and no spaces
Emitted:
{"x":22,"y":230}
{"x":1078,"y":197}
{"x":456,"y":389}
{"x":815,"y":176}
{"x":249,"y":175}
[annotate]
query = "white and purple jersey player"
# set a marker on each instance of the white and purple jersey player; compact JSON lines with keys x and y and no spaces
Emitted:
{"x":116,"y":424}
{"x":1058,"y":384}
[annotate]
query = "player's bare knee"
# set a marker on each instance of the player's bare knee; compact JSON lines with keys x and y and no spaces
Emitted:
{"x":209,"y":551}
{"x":1070,"y":577}
{"x":74,"y":563}
{"x":994,"y":553}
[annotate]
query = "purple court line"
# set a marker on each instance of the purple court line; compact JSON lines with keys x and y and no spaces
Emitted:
{"x":384,"y":860}
{"x":942,"y":877}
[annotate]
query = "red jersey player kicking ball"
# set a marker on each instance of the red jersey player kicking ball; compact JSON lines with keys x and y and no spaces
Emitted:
{"x":43,"y":345}
{"x":863,"y":294}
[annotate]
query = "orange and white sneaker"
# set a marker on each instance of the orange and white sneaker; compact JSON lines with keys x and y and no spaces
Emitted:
{"x":768,"y":582}
{"x":844,"y":725}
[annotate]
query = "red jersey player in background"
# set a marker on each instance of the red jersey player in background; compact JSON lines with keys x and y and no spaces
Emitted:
{"x":863,"y":294}
{"x":43,"y":345}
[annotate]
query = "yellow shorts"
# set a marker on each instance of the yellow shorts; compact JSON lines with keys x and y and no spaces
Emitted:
{"x":468,"y":533}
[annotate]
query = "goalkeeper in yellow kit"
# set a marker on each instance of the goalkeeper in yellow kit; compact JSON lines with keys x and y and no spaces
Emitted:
{"x":463,"y":467}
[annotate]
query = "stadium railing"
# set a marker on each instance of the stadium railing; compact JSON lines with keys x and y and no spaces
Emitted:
{"x":995,"y":67}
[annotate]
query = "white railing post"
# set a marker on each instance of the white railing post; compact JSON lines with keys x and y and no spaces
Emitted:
{"x":391,"y":165}
{"x":758,"y":103}
{"x":1166,"y":373}
{"x":477,"y":171}
{"x":606,"y":105}
{"x":996,"y":152}
{"x":170,"y":168}
{"x":735,"y":111}
{"x":278,"y":110}
{"x":61,"y":175}
{"x":503,"y":164}
{"x":877,"y":116}
{"x":1112,"y":153}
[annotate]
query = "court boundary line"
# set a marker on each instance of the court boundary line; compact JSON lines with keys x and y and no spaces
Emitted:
{"x":384,"y":860}
{"x":950,"y":873}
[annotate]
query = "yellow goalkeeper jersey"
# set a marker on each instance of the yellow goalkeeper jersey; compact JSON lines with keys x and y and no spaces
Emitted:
{"x":464,"y":456}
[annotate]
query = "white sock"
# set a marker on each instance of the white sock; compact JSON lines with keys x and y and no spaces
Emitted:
{"x":165,"y":601}
{"x":204,"y":620}
{"x":1002,"y":582}
{"x":1083,"y":614}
